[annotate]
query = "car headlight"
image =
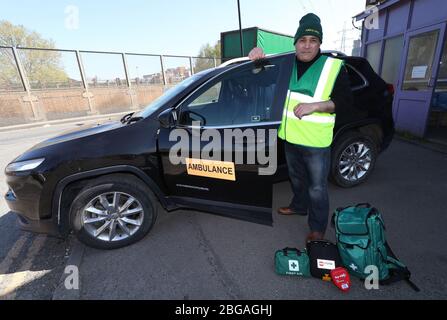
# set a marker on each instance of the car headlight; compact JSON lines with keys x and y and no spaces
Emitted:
{"x":24,"y":165}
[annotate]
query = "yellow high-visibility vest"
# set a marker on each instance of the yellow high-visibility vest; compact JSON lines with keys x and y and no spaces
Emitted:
{"x":316,"y":84}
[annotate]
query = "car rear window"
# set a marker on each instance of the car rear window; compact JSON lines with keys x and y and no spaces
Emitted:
{"x":354,"y":77}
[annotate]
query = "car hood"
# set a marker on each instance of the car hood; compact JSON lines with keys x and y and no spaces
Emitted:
{"x":81,"y":132}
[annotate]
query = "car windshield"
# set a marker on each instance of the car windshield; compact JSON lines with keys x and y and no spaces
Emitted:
{"x":168,"y":94}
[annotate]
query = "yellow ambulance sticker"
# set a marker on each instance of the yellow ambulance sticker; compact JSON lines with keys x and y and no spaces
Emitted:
{"x":211,"y":169}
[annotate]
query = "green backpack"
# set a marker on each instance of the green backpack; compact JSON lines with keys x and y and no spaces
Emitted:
{"x":361,"y":242}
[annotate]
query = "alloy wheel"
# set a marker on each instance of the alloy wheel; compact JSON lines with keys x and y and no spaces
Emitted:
{"x":112,"y":216}
{"x":355,"y":161}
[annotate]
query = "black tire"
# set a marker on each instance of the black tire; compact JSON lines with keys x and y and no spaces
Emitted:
{"x":359,"y":143}
{"x":128,"y":187}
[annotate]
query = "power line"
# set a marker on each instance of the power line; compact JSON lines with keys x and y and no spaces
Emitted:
{"x":311,"y":5}
{"x":303,"y":6}
{"x":240,"y":28}
{"x":346,"y":35}
{"x":331,"y":6}
{"x":343,"y":38}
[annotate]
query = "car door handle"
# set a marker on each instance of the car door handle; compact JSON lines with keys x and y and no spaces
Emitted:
{"x":244,"y":141}
{"x":240,"y":142}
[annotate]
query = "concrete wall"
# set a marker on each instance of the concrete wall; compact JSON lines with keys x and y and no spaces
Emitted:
{"x":53,"y":105}
{"x":20,"y":108}
{"x":13,"y":110}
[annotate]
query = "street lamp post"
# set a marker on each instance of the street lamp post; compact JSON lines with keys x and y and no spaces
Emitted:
{"x":240,"y":28}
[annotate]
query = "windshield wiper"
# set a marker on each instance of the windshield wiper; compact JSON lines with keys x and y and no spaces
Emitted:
{"x":133,"y":119}
{"x":127,"y":117}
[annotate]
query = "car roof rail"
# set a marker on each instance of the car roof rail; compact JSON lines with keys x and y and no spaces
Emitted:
{"x":335,"y":52}
{"x":246,"y":59}
{"x":233,"y":61}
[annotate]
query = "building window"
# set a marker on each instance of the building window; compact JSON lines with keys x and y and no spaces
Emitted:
{"x":391,"y":59}
{"x":421,"y":53}
{"x":373,"y":55}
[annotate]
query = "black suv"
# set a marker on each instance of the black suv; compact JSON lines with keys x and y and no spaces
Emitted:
{"x":106,"y":182}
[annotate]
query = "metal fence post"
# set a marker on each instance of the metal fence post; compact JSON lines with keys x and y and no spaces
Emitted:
{"x":163,"y":70}
{"x":87,"y":94}
{"x":23,"y":78}
{"x":29,"y":98}
{"x":190,"y":66}
{"x":81,"y":70}
{"x":215,"y":62}
{"x":133,"y":96}
{"x":126,"y":73}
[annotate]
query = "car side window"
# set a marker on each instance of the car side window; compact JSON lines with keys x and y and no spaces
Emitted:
{"x":241,"y":96}
{"x":356,"y":78}
{"x":210,"y":96}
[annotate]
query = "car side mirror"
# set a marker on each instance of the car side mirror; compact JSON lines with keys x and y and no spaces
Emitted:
{"x":167,"y":118}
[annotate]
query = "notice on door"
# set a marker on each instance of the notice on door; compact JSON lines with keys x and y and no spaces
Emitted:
{"x":211,"y":169}
{"x":419,"y":72}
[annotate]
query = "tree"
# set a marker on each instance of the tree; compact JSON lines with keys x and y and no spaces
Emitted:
{"x":210,"y":52}
{"x":42,"y":67}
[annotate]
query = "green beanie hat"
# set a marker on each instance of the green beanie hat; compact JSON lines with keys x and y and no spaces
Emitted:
{"x":310,"y":25}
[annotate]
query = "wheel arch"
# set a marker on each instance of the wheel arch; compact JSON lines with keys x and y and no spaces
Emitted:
{"x":370,"y":127}
{"x":348,"y":136}
{"x":67,"y":189}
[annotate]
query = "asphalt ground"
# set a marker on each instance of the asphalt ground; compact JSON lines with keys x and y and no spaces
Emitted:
{"x":191,"y":255}
{"x":30,"y":265}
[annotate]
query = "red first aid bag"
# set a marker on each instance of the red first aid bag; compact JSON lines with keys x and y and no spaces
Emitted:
{"x":340,"y":277}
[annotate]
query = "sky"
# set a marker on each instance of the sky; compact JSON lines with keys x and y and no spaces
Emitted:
{"x":174,"y":27}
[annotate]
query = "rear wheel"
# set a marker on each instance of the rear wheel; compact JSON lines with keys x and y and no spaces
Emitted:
{"x":113,"y":211}
{"x":353,"y":159}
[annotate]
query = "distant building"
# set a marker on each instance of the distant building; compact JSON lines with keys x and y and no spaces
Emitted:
{"x":176,"y":74}
{"x":173,"y":75}
{"x":154,"y":78}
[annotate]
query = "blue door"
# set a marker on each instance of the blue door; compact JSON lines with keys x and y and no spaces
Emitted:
{"x":420,"y":66}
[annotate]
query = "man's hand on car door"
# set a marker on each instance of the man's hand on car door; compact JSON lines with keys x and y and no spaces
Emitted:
{"x":256,"y":53}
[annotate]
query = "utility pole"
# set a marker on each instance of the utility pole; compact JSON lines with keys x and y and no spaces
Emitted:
{"x":240,"y":28}
{"x":344,"y":37}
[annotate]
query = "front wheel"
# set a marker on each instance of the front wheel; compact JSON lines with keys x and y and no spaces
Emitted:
{"x":112,"y":212}
{"x":353,"y":159}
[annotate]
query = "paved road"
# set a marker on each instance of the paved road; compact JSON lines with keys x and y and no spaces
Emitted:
{"x":193,"y":255}
{"x":30,"y":265}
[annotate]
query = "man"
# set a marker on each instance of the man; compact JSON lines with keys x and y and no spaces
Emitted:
{"x":319,"y":87}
